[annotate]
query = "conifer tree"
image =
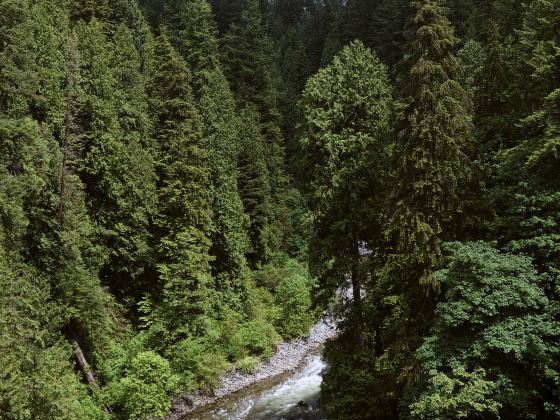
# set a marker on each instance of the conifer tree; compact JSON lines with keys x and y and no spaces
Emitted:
{"x":248,"y":60}
{"x":135,"y":194}
{"x":195,"y":35}
{"x":61,"y":227}
{"x":508,"y":15}
{"x":541,"y":42}
{"x":295,"y":68}
{"x":183,"y":224}
{"x":433,"y":132}
{"x":491,"y":104}
{"x":117,"y":172}
{"x":130,"y":14}
{"x":42,"y":263}
{"x":230,"y":240}
{"x":290,"y":11}
{"x":387,"y":26}
{"x":18,"y":80}
{"x":346,"y":107}
{"x":255,"y":189}
{"x":36,"y":377}
{"x":227,"y":12}
{"x":356,"y":20}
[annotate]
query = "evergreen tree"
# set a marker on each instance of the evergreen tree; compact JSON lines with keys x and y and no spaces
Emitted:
{"x":541,"y":41}
{"x":508,"y":14}
{"x":36,"y":258}
{"x":36,"y":379}
{"x":433,"y":132}
{"x":18,"y":81}
{"x":132,"y":184}
{"x":118,"y":174}
{"x":248,"y":60}
{"x":347,"y":107}
{"x":61,"y":229}
{"x":87,"y":9}
{"x":290,"y":11}
{"x":511,"y":329}
{"x":228,"y":12}
{"x":295,"y":68}
{"x":472,"y":57}
{"x":195,"y":34}
{"x":196,"y":37}
{"x":183,"y":224}
{"x":332,"y":43}
{"x":491,"y":102}
{"x":230,"y":240}
{"x":430,"y":167}
{"x":387,"y":29}
{"x":130,"y":14}
{"x":255,"y":189}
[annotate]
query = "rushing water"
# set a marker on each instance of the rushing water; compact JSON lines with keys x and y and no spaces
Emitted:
{"x":292,"y":397}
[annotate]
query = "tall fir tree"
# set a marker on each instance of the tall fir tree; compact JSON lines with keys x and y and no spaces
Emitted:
{"x":135,"y":190}
{"x":347,"y":108}
{"x":195,"y":35}
{"x":51,"y":268}
{"x":541,"y":42}
{"x":255,"y":189}
{"x":32,"y":350}
{"x":387,"y":34}
{"x":248,"y":60}
{"x":490,"y":100}
{"x":433,"y":131}
{"x":117,"y":172}
{"x":430,"y":169}
{"x":183,"y":224}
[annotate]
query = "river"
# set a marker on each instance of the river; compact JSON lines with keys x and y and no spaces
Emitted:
{"x":291,"y":396}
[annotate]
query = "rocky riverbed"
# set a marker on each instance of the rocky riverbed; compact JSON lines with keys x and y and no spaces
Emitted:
{"x":289,"y":355}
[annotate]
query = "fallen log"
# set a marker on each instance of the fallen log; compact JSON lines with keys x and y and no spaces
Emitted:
{"x":86,"y":368}
{"x":88,"y":373}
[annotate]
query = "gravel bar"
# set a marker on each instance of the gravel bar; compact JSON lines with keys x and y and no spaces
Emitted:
{"x":288,"y":356}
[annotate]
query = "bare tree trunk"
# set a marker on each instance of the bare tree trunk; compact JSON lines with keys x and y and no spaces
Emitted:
{"x":88,"y":372}
{"x":86,"y":368}
{"x":357,"y":299}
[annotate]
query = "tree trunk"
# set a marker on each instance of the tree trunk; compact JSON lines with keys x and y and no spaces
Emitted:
{"x":88,"y":373}
{"x":357,"y":299}
{"x":84,"y":365}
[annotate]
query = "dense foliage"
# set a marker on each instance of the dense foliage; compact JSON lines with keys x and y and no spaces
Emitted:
{"x":135,"y":231}
{"x":186,"y":183}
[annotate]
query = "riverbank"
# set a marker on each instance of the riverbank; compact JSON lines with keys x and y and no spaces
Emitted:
{"x":288,"y":356}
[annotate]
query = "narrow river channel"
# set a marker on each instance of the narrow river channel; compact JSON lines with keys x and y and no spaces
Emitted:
{"x":292,"y":396}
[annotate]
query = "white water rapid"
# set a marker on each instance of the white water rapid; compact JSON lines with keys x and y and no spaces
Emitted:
{"x":291,"y":397}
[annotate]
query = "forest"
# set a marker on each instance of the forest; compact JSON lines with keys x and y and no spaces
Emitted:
{"x":185,"y":184}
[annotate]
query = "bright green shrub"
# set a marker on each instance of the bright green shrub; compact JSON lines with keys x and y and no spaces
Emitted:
{"x":248,"y":364}
{"x":232,"y":344}
{"x":460,"y":395}
{"x":293,"y":296}
{"x":146,"y":390}
{"x":259,"y":337}
{"x":271,"y":274}
{"x":260,"y":304}
{"x":198,"y":363}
